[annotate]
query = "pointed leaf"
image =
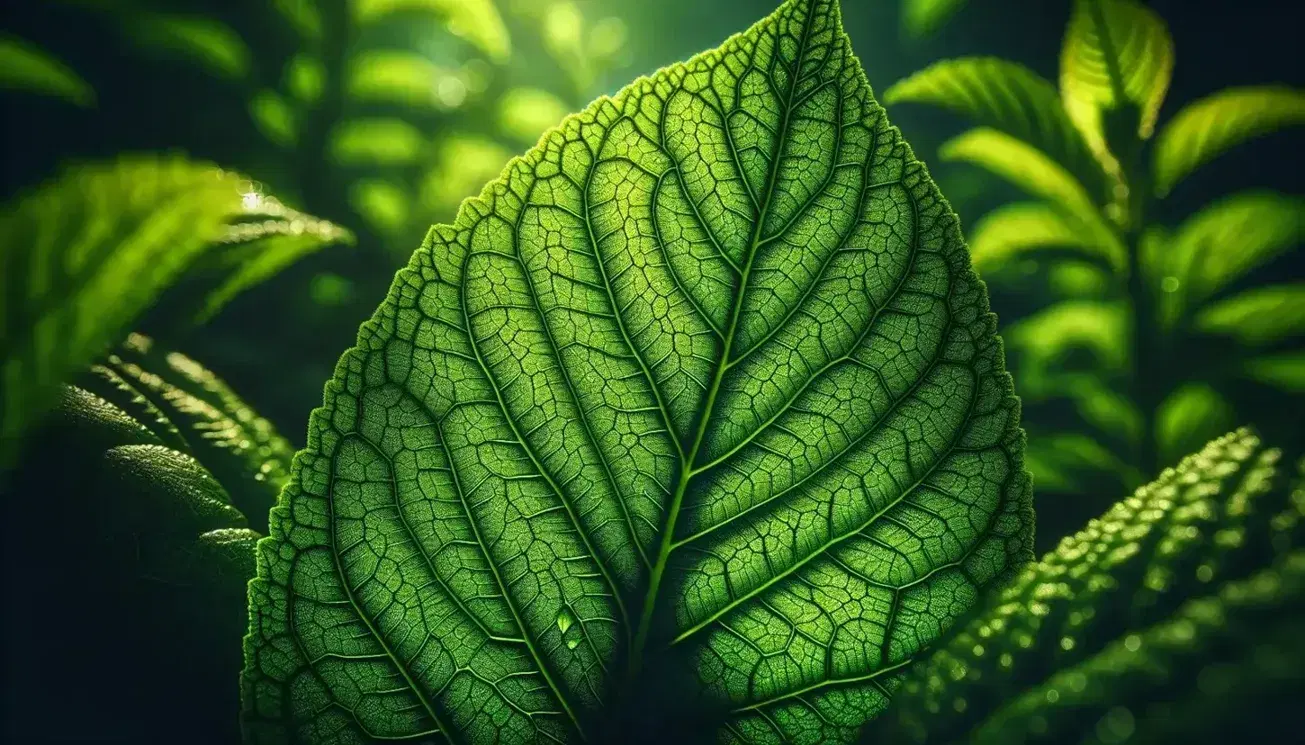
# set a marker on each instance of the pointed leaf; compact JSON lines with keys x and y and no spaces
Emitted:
{"x":376,"y":142}
{"x":1044,"y":341}
{"x":1204,"y":130}
{"x":1030,"y":229}
{"x":701,"y":393}
{"x":83,"y":255}
{"x":1189,"y":415}
{"x":1006,"y":96}
{"x":402,"y":77}
{"x":922,"y":17}
{"x":24,"y":67}
{"x":1260,"y":316}
{"x":1210,"y":521}
{"x":1116,"y":53}
{"x":1285,"y":370}
{"x":207,"y":42}
{"x":1026,"y":167}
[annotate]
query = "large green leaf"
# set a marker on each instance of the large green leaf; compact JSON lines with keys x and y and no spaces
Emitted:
{"x":1116,"y":53}
{"x":1203,"y":130}
{"x":1033,"y":229}
{"x":27,"y":68}
{"x":1009,"y":97}
{"x":1101,"y":621}
{"x":82,"y":256}
{"x":699,"y":404}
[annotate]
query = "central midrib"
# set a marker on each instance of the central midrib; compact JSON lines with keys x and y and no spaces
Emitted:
{"x":687,"y":463}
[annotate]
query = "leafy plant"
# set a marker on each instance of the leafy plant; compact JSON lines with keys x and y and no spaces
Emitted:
{"x":699,"y":396}
{"x":1169,"y":619}
{"x":84,"y":255}
{"x":1137,"y":295}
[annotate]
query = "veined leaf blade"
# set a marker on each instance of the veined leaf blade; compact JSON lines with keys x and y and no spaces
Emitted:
{"x":597,"y":421}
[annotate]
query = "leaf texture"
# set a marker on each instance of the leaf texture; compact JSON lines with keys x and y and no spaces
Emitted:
{"x":1205,"y":129}
{"x":1103,"y":619}
{"x":700,"y":394}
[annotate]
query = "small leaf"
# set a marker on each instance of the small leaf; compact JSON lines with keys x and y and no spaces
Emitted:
{"x":1044,"y":341}
{"x":24,"y":67}
{"x":1044,"y":640}
{"x":302,"y":15}
{"x":462,"y":164}
{"x":1024,"y":166}
{"x":1229,"y":238}
{"x":1133,"y":45}
{"x":1204,"y":130}
{"x":1102,"y":408}
{"x":524,"y":113}
{"x":921,"y":18}
{"x":208,"y":43}
{"x":705,"y":366}
{"x":1285,"y":370}
{"x":401,"y":77}
{"x":477,"y":21}
{"x":1187,"y":417}
{"x":376,"y":142}
{"x":274,"y":118}
{"x":1009,"y":97}
{"x":305,"y":78}
{"x":83,"y":255}
{"x":1062,"y":461}
{"x":1032,"y":229}
{"x":383,"y":204}
{"x":1258,"y":316}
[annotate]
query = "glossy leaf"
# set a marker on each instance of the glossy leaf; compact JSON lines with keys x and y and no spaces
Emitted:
{"x":1205,"y":129}
{"x":1106,"y":608}
{"x":701,"y":393}
{"x":83,"y":255}
{"x":1116,"y":53}
{"x":24,"y":67}
{"x":1032,"y":229}
{"x":1259,"y":316}
{"x":1229,"y":238}
{"x":1006,"y":96}
{"x":922,"y":17}
{"x":1024,"y":166}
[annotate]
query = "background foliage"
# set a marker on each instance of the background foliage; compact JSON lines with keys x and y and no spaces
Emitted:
{"x":379,"y":116}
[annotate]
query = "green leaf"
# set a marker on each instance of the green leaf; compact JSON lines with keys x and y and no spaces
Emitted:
{"x":1006,"y":96}
{"x":921,"y":18}
{"x":302,"y":15}
{"x":1207,"y":128}
{"x":1285,"y":370}
{"x":1229,"y":238}
{"x":406,"y":78}
{"x":462,"y":164}
{"x":1034,"y":229}
{"x":1188,"y":416}
{"x":1259,"y":316}
{"x":1102,"y":407}
{"x":206,"y":42}
{"x":82,"y":256}
{"x":1026,"y":167}
{"x":383,"y":204}
{"x":274,"y":118}
{"x":525,"y":113}
{"x":1107,"y":607}
{"x":1061,"y":461}
{"x":700,"y":394}
{"x":376,"y":142}
{"x":1044,"y":341}
{"x":269,"y":238}
{"x":477,"y":21}
{"x":1116,"y":53}
{"x":24,"y":67}
{"x":305,"y":78}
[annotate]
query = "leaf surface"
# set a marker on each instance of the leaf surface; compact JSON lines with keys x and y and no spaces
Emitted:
{"x":1103,"y":619}
{"x":701,"y":393}
{"x":1205,"y":129}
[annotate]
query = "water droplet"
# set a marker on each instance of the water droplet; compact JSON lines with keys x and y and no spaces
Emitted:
{"x":564,"y":621}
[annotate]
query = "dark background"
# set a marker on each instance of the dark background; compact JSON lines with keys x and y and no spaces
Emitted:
{"x":276,"y":345}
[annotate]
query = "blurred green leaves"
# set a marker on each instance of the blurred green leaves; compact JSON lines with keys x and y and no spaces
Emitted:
{"x":376,"y":142}
{"x":211,"y":44}
{"x":24,"y":67}
{"x":477,"y":21}
{"x":922,"y":17}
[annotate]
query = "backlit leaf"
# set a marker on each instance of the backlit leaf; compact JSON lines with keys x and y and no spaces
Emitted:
{"x":524,"y":113}
{"x":1024,"y":166}
{"x":700,"y":394}
{"x":1123,"y":39}
{"x":1031,"y":229}
{"x":1060,"y":461}
{"x":1205,"y":129}
{"x":477,"y":21}
{"x":1258,"y":316}
{"x":1006,"y":96}
{"x":24,"y":67}
{"x":376,"y":142}
{"x":383,"y":204}
{"x":208,"y":43}
{"x":394,"y":76}
{"x":1103,"y":619}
